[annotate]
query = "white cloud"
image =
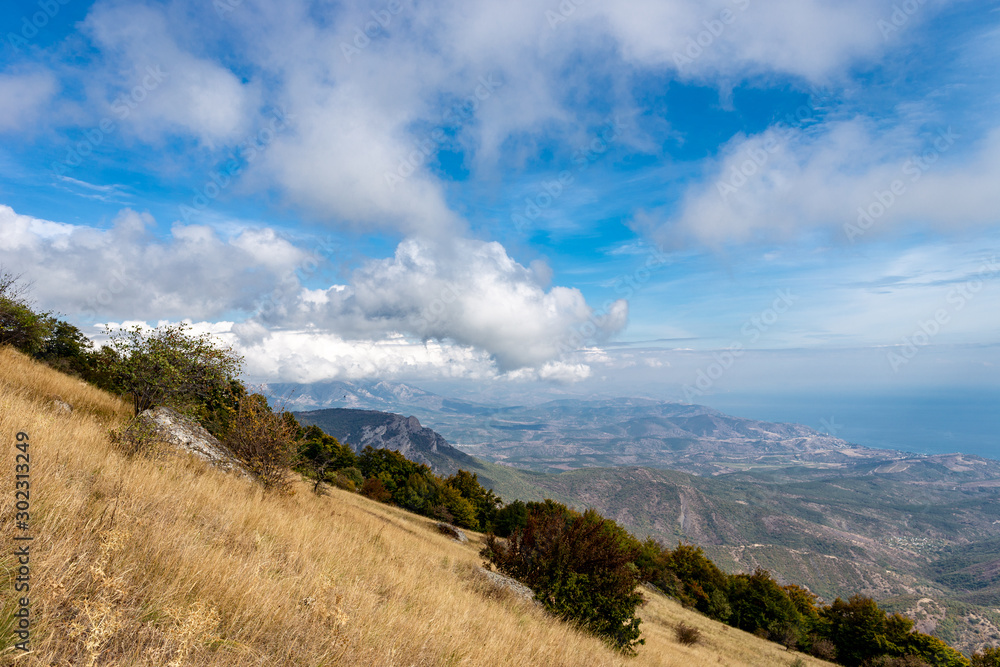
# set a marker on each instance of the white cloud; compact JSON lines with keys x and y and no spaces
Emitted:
{"x":160,"y":87}
{"x":851,"y":178}
{"x":126,"y":271}
{"x":469,"y":292}
{"x":24,"y":98}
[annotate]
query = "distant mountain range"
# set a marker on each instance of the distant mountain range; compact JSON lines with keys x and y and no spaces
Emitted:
{"x":570,"y":434}
{"x":381,"y":430}
{"x":919,"y":533}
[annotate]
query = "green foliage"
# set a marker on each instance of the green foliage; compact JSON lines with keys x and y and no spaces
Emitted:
{"x":933,"y":651}
{"x":169,"y":365}
{"x":581,"y":568}
{"x":485,"y":503}
{"x":759,"y":603}
{"x":509,"y":518}
{"x":861,"y":631}
{"x":20,"y":326}
{"x":988,"y":657}
{"x":689,"y":575}
{"x":321,"y":454}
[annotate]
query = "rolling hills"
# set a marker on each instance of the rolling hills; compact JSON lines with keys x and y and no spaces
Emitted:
{"x":918,"y":533}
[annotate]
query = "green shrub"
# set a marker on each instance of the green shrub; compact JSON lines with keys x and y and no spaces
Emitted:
{"x":988,"y":657}
{"x":168,"y":365}
{"x":579,"y":566}
{"x":342,"y":481}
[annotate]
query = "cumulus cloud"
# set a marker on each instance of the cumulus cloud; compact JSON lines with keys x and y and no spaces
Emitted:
{"x":850,"y":178}
{"x":127,"y":271}
{"x":466,"y":291}
{"x":461,"y":302}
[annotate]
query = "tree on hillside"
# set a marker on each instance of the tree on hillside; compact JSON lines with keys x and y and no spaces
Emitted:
{"x":581,"y":568}
{"x":20,"y":326}
{"x":169,"y":365}
{"x":988,"y":657}
{"x":321,"y":454}
{"x":264,"y":440}
{"x":485,"y":501}
{"x":759,"y":603}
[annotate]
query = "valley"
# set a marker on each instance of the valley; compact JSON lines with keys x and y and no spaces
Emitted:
{"x":919,"y":533}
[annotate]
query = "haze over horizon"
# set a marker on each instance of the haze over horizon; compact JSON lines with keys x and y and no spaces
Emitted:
{"x":703,"y":201}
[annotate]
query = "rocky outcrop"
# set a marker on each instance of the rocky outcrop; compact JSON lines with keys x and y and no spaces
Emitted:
{"x":175,"y":429}
{"x":510,"y":584}
{"x":453,"y":532}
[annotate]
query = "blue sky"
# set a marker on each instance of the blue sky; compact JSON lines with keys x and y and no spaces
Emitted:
{"x":676,"y":198}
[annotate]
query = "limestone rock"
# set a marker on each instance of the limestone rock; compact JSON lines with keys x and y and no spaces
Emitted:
{"x":509,"y":583}
{"x":452,"y":532}
{"x":186,"y":434}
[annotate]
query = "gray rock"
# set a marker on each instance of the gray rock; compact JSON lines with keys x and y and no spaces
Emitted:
{"x":452,"y":532}
{"x":61,"y":406}
{"x":186,"y":434}
{"x":510,"y":584}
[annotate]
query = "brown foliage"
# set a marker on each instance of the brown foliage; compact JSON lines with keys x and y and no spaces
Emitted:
{"x":264,"y":441}
{"x":687,"y":634}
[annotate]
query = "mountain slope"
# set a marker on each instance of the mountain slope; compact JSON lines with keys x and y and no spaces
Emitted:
{"x":168,"y":561}
{"x":381,"y":430}
{"x":839,"y":532}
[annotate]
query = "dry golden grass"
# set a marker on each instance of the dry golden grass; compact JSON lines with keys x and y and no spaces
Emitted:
{"x":167,"y":561}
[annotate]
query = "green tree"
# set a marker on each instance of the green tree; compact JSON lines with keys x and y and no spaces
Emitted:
{"x":169,"y":365}
{"x":20,"y":326}
{"x":759,"y":603}
{"x":858,"y":630}
{"x":988,"y":657}
{"x":932,"y":650}
{"x":485,"y":502}
{"x":321,"y":453}
{"x":581,"y":567}
{"x":510,"y":517}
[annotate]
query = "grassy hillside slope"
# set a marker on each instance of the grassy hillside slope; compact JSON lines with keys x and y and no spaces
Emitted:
{"x":167,"y":561}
